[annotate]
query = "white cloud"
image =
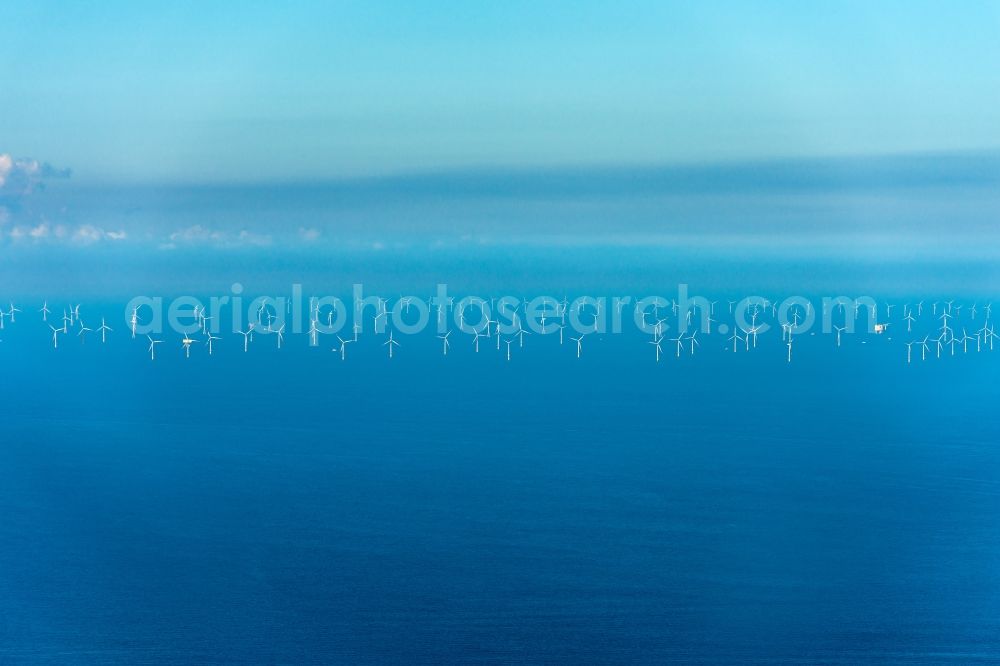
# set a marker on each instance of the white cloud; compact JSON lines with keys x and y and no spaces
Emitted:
{"x":86,"y":234}
{"x":196,"y":234}
{"x":203,"y":235}
{"x":250,"y":238}
{"x":19,"y":176}
{"x":309,"y":235}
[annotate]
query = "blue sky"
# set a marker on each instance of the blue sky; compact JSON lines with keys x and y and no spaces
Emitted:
{"x":257,"y":92}
{"x":621,"y":141}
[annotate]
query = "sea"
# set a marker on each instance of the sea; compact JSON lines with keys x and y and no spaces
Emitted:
{"x":290,"y":506}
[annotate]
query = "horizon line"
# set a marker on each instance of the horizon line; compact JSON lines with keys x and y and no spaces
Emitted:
{"x":486,"y":170}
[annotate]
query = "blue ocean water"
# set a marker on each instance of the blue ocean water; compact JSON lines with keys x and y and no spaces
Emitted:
{"x":290,"y":507}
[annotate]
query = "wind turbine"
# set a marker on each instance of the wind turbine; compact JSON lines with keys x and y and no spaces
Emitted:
{"x":152,"y":347}
{"x":679,"y":341}
{"x":12,"y":312}
{"x":965,"y":341}
{"x":909,"y":321}
{"x":693,"y":338}
{"x":83,"y":332}
{"x":445,"y":343}
{"x":281,"y":334}
{"x":104,"y":330}
{"x":55,"y":336}
{"x":656,"y":342}
{"x":45,"y":311}
{"x":391,"y":342}
{"x":734,"y":338}
{"x":246,"y":337}
{"x":924,"y":348}
{"x":839,"y":331}
{"x":579,"y":344}
{"x":187,"y":342}
{"x":521,"y":333}
{"x":343,"y":347}
{"x":209,"y":341}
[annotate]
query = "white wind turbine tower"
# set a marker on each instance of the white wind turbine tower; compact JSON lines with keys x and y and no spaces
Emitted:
{"x":187,"y":342}
{"x":656,"y":343}
{"x":939,"y":341}
{"x":281,"y":334}
{"x":45,"y":311}
{"x":924,"y":348}
{"x":579,"y":344}
{"x":55,"y":336}
{"x":246,"y":337}
{"x":980,"y":336}
{"x":475,"y":339}
{"x":445,"y":343}
{"x":734,"y":338}
{"x":790,"y":348}
{"x":83,"y":332}
{"x":693,"y":339}
{"x":965,"y":341}
{"x":679,"y":341}
{"x":839,"y":329}
{"x":343,"y":348}
{"x":152,"y":347}
{"x":521,"y":332}
{"x":391,"y":342}
{"x":133,"y":320}
{"x":561,"y":327}
{"x":509,"y":342}
{"x":909,"y":351}
{"x":13,"y":311}
{"x":909,"y":321}
{"x":209,"y":341}
{"x":104,"y":328}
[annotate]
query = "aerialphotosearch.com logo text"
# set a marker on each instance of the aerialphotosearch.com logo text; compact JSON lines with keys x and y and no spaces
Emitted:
{"x":508,"y":315}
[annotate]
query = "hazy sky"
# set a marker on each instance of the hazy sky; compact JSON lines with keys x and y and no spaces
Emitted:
{"x":252,"y":91}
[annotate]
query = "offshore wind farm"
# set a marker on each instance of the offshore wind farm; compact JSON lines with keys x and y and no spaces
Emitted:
{"x":646,"y":332}
{"x":751,"y":323}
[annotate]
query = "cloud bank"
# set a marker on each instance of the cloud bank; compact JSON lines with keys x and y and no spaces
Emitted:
{"x":20,"y":176}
